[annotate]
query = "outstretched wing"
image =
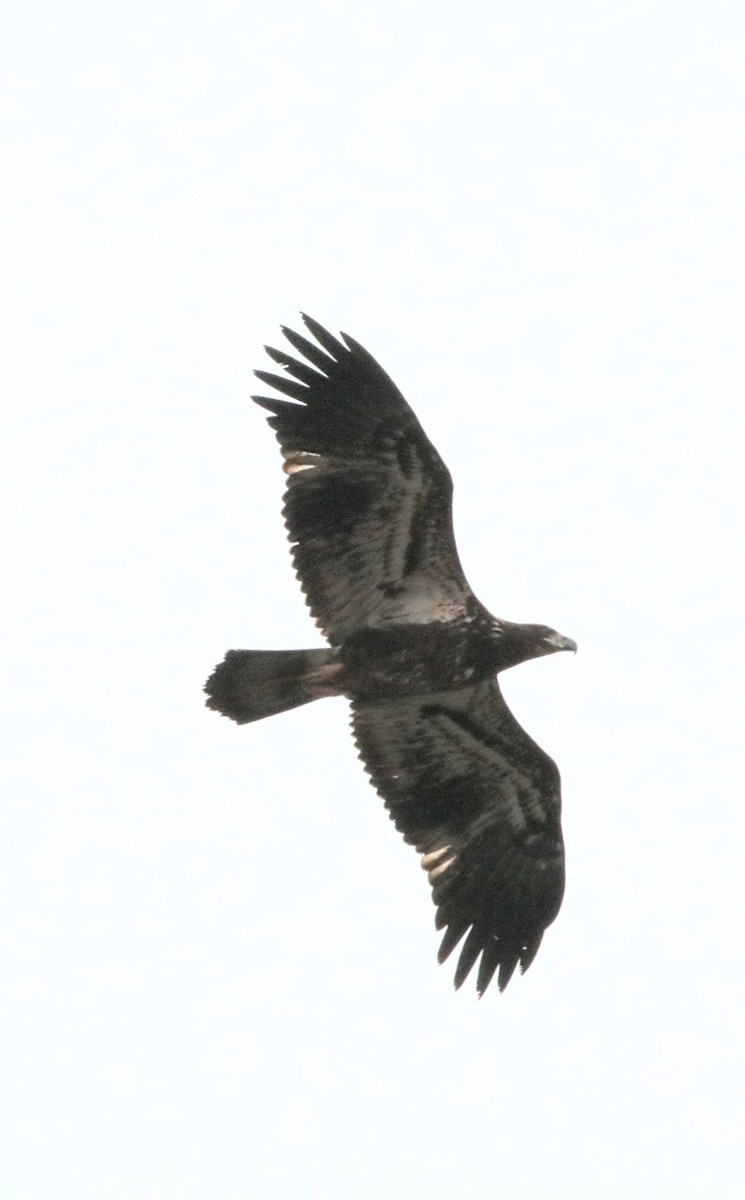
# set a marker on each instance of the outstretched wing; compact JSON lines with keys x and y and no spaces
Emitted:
{"x":482,"y":804}
{"x":368,"y":506}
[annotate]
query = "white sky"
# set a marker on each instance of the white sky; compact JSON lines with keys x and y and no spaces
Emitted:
{"x":219,"y":958}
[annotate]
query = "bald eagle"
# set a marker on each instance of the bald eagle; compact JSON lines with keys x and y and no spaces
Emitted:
{"x":368,"y":509}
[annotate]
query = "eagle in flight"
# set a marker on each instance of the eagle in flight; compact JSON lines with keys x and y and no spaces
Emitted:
{"x":368,"y":509}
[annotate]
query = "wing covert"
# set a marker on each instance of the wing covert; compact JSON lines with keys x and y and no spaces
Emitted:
{"x":481,"y":802}
{"x":368,"y":506}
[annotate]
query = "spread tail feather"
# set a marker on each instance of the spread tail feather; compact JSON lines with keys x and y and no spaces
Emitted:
{"x":250,"y":684}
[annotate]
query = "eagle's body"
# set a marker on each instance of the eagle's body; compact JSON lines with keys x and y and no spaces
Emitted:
{"x":369,"y":513}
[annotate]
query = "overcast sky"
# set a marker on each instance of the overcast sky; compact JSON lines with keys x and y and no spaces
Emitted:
{"x":219,"y":958}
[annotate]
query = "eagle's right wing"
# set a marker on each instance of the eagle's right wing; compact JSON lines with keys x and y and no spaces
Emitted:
{"x":481,"y":802}
{"x":368,"y":506}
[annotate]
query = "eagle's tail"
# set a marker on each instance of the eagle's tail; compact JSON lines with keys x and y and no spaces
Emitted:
{"x":251,"y":684}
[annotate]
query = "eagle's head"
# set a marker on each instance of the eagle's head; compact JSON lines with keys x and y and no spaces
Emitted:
{"x":518,"y":643}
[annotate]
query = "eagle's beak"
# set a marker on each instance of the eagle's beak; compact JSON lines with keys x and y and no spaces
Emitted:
{"x":558,"y":642}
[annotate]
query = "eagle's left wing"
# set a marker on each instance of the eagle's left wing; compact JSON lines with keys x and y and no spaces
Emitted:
{"x":481,"y":802}
{"x":368,"y":505}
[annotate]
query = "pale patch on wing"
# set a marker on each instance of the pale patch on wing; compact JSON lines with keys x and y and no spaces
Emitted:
{"x":438,"y":871}
{"x":433,"y":855}
{"x":431,"y":864}
{"x":421,"y":599}
{"x":301,"y":460}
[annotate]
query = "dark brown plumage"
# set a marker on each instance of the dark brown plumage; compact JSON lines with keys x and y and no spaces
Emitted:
{"x":368,"y":508}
